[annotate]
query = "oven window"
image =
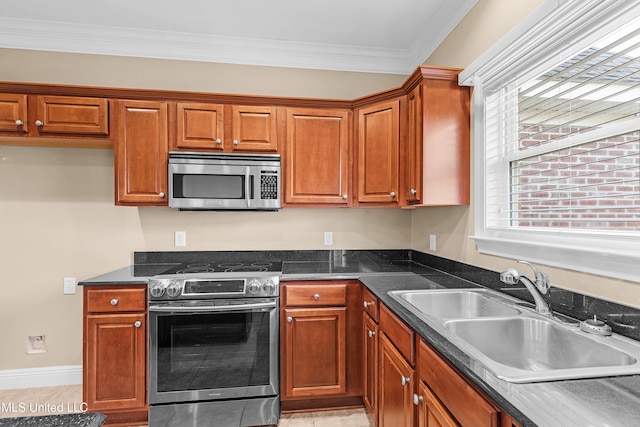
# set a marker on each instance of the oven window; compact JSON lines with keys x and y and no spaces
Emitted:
{"x":203,"y":186}
{"x":212,"y":351}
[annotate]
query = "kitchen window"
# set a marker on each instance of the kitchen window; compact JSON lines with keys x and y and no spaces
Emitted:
{"x":557,"y":139}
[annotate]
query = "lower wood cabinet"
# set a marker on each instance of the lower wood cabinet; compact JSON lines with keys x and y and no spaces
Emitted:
{"x":395,"y":404}
{"x":431,"y":412}
{"x":370,"y":345}
{"x":320,"y":353}
{"x":114,"y":355}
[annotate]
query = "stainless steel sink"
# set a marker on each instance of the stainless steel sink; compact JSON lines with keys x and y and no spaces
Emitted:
{"x":515,"y":343}
{"x":528,"y":348}
{"x":455,"y":304}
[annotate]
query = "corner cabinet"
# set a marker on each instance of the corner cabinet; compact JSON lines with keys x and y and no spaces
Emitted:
{"x":319,"y":352}
{"x":316,"y":159}
{"x":378,"y":153}
{"x":115,"y":357}
{"x":141,"y":153}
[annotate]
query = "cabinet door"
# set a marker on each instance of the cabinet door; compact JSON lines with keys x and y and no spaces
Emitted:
{"x":314,"y":352}
{"x":370,"y":366}
{"x":431,"y":412}
{"x":72,"y":115}
{"x":317,"y":157}
{"x":378,"y":153}
{"x":200,"y":126}
{"x":115,"y":361}
{"x":13,"y":113}
{"x":395,"y":400}
{"x":412,"y":150}
{"x":254,"y":128}
{"x":141,"y":153}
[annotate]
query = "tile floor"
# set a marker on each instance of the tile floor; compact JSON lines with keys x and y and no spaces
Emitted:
{"x":43,"y":400}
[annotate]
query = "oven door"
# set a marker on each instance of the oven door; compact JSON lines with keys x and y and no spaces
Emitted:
{"x":210,"y":350}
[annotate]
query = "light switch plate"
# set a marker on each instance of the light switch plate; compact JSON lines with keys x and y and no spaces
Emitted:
{"x":328,"y":238}
{"x":69,"y":284}
{"x":432,"y":242}
{"x":180,"y":238}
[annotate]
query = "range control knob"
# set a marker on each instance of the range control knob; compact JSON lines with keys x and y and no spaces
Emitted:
{"x":156,"y":290}
{"x":254,"y":286}
{"x":269,"y":287}
{"x":173,"y":290}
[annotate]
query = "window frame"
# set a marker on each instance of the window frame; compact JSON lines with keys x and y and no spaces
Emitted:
{"x":533,"y":45}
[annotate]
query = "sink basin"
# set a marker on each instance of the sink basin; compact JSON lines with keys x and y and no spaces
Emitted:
{"x":454,"y":304}
{"x":527,"y":348}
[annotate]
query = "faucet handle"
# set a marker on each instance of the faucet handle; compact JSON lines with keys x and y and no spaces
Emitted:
{"x":542,"y":278}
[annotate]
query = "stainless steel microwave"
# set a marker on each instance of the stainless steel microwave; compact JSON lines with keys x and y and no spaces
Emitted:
{"x":221,"y":181}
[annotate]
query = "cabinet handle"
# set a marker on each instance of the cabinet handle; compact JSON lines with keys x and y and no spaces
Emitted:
{"x":367,"y":304}
{"x":345,"y":197}
{"x":316,"y":297}
{"x":137,"y":324}
{"x":417,"y":399}
{"x":114,"y":301}
{"x":371,"y":334}
{"x":161,"y":194}
{"x":392,"y":194}
{"x":413,"y":191}
{"x":235,"y":142}
{"x":405,"y":380}
{"x":218,"y":141}
{"x":39,"y":123}
{"x":19,"y":122}
{"x":289,"y":319}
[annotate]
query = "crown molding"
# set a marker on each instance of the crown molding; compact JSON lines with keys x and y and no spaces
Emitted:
{"x":103,"y":40}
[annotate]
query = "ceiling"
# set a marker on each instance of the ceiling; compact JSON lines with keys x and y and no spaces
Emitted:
{"x":380,"y":36}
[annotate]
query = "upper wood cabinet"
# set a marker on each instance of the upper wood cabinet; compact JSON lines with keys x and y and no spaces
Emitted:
{"x":65,"y":116}
{"x":436,"y":157}
{"x":316,"y":158}
{"x":378,"y":148}
{"x":231,"y":128}
{"x":141,"y":153}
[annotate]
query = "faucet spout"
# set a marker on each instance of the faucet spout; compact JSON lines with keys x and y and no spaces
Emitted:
{"x":538,"y":288}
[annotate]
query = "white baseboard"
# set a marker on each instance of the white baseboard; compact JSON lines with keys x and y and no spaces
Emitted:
{"x":40,"y":377}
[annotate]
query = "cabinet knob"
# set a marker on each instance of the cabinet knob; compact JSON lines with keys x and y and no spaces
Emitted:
{"x":417,"y":399}
{"x":19,"y":122}
{"x":371,"y":334}
{"x":137,"y":324}
{"x":289,"y":319}
{"x":413,"y":191}
{"x":316,"y":297}
{"x":405,"y":380}
{"x":218,"y":141}
{"x":367,"y":304}
{"x":345,"y":197}
{"x":114,"y":301}
{"x":161,"y":194}
{"x":235,"y":142}
{"x":39,"y":123}
{"x":392,"y":194}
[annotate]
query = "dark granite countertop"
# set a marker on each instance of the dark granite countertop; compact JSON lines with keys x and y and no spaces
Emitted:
{"x":613,"y":401}
{"x":87,"y":419}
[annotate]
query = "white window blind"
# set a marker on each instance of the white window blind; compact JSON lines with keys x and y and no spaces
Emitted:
{"x":556,"y":137}
{"x":562,"y":148}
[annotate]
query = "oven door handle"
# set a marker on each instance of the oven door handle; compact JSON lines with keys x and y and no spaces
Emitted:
{"x":210,"y":309}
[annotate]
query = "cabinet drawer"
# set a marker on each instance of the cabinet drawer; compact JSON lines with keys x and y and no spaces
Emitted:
{"x":370,"y":303}
{"x":115,"y":300}
{"x":316,"y":295}
{"x":400,"y":334}
{"x":466,"y":404}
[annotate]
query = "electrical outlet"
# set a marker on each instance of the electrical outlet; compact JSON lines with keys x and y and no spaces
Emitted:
{"x":180,"y":238}
{"x":69,"y":285}
{"x":36,"y":344}
{"x":328,"y":238}
{"x":432,"y":242}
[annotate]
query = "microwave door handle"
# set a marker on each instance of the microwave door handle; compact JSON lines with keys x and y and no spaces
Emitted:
{"x":247,"y":187}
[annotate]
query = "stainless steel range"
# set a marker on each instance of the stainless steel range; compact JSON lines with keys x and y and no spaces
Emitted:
{"x":213,"y":345}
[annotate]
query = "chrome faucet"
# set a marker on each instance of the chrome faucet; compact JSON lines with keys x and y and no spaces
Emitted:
{"x":538,"y":288}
